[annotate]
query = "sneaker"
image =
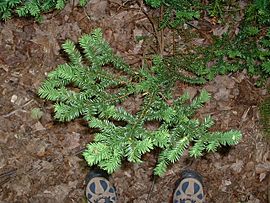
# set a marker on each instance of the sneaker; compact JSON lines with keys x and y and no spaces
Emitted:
{"x":189,"y":189}
{"x":99,"y":189}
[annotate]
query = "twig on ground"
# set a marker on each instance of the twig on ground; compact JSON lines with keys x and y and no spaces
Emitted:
{"x":161,"y":33}
{"x":86,"y":15}
{"x":6,"y":176}
{"x":151,"y":189}
{"x":268,"y":191}
{"x":156,"y":34}
{"x":19,"y":109}
{"x":174,"y":45}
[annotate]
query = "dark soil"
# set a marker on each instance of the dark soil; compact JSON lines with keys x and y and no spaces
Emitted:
{"x":40,"y":159}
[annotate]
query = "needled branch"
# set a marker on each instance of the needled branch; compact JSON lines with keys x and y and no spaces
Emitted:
{"x":96,"y":91}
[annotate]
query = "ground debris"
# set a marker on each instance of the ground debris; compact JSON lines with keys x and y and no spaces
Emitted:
{"x":40,"y":160}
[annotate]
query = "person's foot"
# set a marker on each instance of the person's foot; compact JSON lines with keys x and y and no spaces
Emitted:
{"x":189,"y":189}
{"x":99,"y":189}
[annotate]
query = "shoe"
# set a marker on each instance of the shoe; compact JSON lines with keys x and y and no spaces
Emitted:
{"x":189,"y":188}
{"x":99,"y":189}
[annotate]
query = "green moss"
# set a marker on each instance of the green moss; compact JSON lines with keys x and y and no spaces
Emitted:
{"x":265,"y":116}
{"x":36,"y":113}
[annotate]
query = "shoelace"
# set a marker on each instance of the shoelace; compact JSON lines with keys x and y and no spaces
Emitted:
{"x":107,"y":200}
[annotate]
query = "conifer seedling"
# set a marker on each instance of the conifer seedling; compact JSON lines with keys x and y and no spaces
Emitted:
{"x":94,"y":85}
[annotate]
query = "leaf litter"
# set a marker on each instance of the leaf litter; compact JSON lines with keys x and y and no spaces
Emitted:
{"x":40,"y":160}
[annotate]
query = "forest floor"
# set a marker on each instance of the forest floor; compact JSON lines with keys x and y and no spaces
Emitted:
{"x":40,"y":159}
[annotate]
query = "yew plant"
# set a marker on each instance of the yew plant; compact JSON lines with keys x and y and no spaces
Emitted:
{"x":33,"y":8}
{"x":94,"y":84}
